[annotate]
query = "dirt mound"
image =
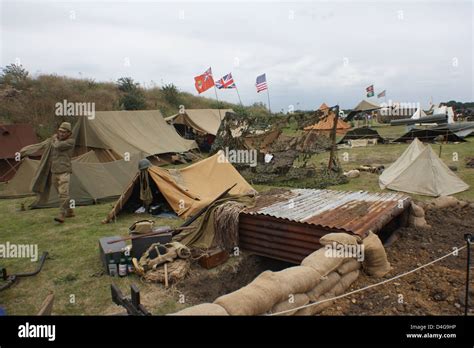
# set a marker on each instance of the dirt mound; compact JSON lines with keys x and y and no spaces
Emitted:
{"x":435,"y":290}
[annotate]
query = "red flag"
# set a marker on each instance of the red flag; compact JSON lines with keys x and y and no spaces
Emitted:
{"x":204,"y":82}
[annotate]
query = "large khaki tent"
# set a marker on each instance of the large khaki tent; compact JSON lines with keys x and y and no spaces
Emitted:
{"x":204,"y":121}
{"x":120,"y":132}
{"x":91,"y":181}
{"x":189,"y":189}
{"x":420,"y":171}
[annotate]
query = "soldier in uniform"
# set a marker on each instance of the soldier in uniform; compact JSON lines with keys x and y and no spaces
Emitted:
{"x":62,"y":147}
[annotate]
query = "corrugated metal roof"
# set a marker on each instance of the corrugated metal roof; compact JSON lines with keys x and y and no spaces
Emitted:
{"x":355,"y":212}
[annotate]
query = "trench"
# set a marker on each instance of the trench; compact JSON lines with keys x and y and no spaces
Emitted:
{"x":205,"y":286}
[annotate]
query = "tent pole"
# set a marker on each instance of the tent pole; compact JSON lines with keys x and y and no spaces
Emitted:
{"x":332,"y":154}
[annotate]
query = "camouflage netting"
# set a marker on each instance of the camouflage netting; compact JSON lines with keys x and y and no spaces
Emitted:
{"x":236,"y":126}
{"x":304,"y":119}
{"x":298,"y":177}
{"x":308,"y":142}
{"x":238,"y":132}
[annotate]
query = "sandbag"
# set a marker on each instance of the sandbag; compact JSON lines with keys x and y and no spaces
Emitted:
{"x":416,"y":210}
{"x":255,"y":298}
{"x":348,"y":266}
{"x":203,"y":309}
{"x":418,"y":222}
{"x":297,"y":300}
{"x":318,"y":308}
{"x":445,"y":202}
{"x":298,"y":279}
{"x":375,"y":259}
{"x":354,"y":173}
{"x":345,"y":282}
{"x":324,"y":286}
{"x":321,"y":263}
{"x":339,"y":238}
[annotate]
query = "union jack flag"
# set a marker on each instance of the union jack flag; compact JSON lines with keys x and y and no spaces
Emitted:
{"x":261,"y":83}
{"x":226,"y":82}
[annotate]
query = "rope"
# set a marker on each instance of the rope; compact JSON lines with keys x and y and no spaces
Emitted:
{"x":372,"y":285}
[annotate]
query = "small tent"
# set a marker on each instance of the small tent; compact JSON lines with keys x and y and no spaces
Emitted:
{"x":429,"y":135}
{"x":419,"y":113}
{"x":189,"y":189}
{"x":91,"y":181}
{"x":204,"y":121}
{"x":363,"y":106}
{"x":19,"y":185}
{"x":366,"y":105}
{"x":420,"y":171}
{"x":362,"y":133}
{"x":323,"y":107}
{"x":326,"y":124}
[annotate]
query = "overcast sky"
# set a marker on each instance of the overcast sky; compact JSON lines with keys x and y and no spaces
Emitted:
{"x":311,"y":51}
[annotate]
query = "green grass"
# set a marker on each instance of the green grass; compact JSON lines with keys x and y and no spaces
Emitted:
{"x":74,"y":267}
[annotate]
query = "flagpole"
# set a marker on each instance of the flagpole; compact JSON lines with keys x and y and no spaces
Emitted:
{"x":218,"y":104}
{"x":268,"y":96}
{"x":238,"y":95}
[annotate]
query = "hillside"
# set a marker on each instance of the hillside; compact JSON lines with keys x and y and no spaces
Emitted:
{"x":26,"y":99}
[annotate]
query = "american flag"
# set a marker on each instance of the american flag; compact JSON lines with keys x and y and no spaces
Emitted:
{"x":226,"y":82}
{"x":261,"y":83}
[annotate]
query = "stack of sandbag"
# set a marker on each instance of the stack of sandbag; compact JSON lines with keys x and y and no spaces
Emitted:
{"x":375,"y":259}
{"x":337,"y":274}
{"x":334,"y":284}
{"x":269,"y":289}
{"x":417,"y":217}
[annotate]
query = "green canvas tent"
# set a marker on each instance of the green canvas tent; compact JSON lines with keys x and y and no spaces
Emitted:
{"x":92,"y":181}
{"x":205,"y":121}
{"x":420,"y":171}
{"x":120,"y":132}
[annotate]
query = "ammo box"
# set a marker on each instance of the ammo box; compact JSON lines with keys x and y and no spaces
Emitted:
{"x":112,"y":251}
{"x":140,"y":245}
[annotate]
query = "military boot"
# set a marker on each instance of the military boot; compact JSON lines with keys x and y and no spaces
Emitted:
{"x":70,"y":213}
{"x":60,"y":218}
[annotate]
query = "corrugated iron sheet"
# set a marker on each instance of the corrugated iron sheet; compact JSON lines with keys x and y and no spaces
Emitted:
{"x":288,"y":225}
